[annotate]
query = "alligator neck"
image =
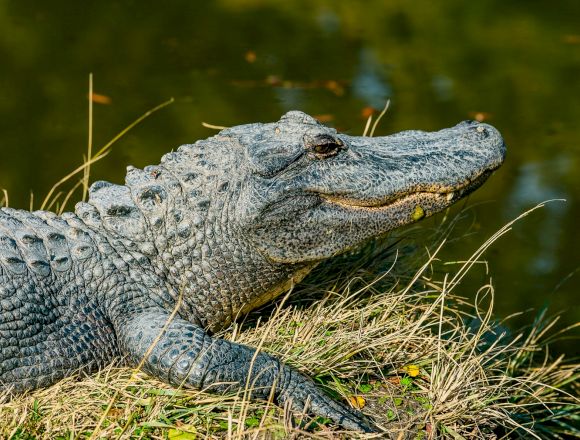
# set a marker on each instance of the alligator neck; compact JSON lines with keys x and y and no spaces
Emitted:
{"x":164,"y":213}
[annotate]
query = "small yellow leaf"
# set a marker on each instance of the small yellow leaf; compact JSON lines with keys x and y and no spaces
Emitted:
{"x":412,"y":370}
{"x":185,"y":432}
{"x":145,"y":402}
{"x":357,"y":401}
{"x":418,"y":213}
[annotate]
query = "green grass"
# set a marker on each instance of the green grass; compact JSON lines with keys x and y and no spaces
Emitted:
{"x":384,"y":329}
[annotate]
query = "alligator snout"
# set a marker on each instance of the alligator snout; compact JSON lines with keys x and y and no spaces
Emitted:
{"x":479,"y":131}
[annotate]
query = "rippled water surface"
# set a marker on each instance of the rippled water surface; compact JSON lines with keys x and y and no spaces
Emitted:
{"x":515,"y":64}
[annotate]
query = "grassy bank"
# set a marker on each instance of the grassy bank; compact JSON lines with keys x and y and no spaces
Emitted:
{"x":401,"y":346}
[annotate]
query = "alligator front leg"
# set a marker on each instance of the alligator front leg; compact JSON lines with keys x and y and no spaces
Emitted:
{"x":179,"y":352}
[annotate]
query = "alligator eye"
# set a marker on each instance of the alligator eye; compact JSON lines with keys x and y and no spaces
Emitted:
{"x":324,"y":146}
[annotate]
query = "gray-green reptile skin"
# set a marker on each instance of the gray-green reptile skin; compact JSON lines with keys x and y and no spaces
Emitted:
{"x":219,"y":227}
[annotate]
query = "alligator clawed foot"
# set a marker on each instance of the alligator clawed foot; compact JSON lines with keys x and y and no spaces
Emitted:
{"x":346,"y":419}
{"x":309,"y":399}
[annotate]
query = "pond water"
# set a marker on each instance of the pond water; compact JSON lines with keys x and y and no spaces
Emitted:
{"x":515,"y":64}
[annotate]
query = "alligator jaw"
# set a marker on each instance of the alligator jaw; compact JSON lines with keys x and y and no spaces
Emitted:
{"x":441,"y":197}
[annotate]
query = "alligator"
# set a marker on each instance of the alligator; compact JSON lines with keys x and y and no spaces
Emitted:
{"x":148,"y":271}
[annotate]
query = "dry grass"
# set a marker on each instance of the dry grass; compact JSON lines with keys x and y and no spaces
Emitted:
{"x":404,"y":344}
{"x":422,"y":361}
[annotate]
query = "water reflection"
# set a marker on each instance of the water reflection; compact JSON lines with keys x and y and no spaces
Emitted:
{"x":370,"y":84}
{"x":443,"y":87}
{"x":530,"y":187}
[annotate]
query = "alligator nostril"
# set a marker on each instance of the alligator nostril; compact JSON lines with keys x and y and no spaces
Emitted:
{"x":482,"y":132}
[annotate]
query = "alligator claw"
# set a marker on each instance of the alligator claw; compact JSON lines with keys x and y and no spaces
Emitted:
{"x":304,"y":396}
{"x":338,"y":413}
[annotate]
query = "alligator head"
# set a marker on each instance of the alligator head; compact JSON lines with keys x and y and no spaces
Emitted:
{"x":235,"y":219}
{"x":313,"y":193}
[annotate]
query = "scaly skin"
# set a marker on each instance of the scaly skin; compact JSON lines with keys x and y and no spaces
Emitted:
{"x":218,"y":228}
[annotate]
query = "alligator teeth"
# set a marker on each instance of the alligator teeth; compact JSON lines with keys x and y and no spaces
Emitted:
{"x":450,"y":196}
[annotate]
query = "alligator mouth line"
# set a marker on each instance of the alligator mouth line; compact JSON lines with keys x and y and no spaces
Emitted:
{"x":445,"y":195}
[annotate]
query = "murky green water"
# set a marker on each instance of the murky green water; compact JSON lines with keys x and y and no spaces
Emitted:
{"x":516,"y":63}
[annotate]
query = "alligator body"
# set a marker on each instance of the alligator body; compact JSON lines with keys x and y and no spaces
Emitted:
{"x":150,"y":269}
